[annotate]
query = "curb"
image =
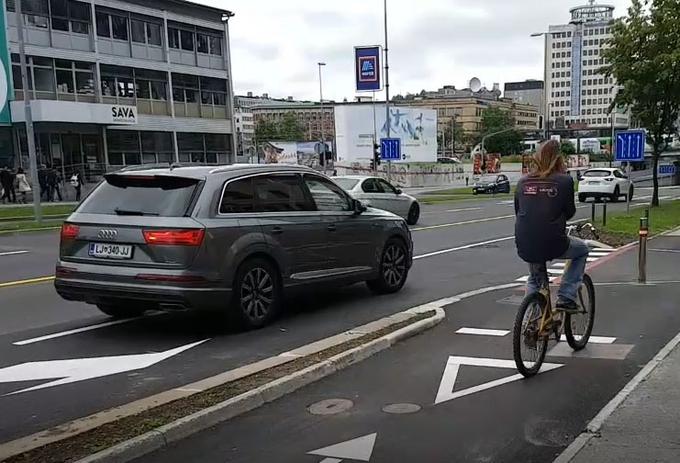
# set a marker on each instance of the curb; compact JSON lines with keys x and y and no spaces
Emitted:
{"x":235,"y":406}
{"x":593,"y":427}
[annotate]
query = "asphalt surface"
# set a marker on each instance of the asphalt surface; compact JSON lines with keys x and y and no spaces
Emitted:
{"x":472,"y":247}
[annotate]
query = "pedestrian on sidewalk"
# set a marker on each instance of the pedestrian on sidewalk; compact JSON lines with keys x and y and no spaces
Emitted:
{"x":23,"y":185}
{"x":53,"y":180}
{"x":77,"y":183}
{"x":7,"y":182}
{"x":42,"y":182}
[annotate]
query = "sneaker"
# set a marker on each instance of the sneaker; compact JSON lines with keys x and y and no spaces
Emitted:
{"x":567,"y":306}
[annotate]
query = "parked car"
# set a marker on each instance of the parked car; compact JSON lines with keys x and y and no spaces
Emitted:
{"x":604,"y":183}
{"x":491,"y":184}
{"x":448,"y":160}
{"x":230,"y":238}
{"x":378,"y":192}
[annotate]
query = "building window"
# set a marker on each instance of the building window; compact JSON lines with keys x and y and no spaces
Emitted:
{"x":103,"y":25}
{"x":70,"y":15}
{"x":131,"y":147}
{"x":119,"y":27}
{"x":186,"y":40}
{"x":146,"y":32}
{"x":173,"y":37}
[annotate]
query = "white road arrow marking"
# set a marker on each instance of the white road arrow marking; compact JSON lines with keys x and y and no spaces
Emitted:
{"x":448,"y":381}
{"x":74,"y":370}
{"x":359,"y":449}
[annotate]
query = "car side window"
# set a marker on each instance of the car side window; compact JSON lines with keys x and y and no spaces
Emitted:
{"x":371,"y":186}
{"x":618,"y":174}
{"x":280,"y":193}
{"x":238,"y":197}
{"x":327,"y":195}
{"x":386,"y":187}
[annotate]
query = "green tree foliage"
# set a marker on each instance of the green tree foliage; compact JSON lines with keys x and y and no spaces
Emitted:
{"x":567,"y":148}
{"x":644,"y":57}
{"x":287,"y":129}
{"x":496,"y":120}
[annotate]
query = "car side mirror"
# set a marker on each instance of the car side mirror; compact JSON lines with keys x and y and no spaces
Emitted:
{"x":398,"y":190}
{"x":359,"y":207}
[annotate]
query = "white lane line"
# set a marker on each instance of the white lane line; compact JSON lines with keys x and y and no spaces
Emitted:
{"x":595,"y":339}
{"x":592,"y":259}
{"x":13,"y":253}
{"x":75,"y":331}
{"x":559,"y":265}
{"x":464,"y":209}
{"x":525,"y":279}
{"x":555,"y":271}
{"x":460,"y":248}
{"x":483,"y":332}
{"x":666,"y":250}
{"x":466,"y":222}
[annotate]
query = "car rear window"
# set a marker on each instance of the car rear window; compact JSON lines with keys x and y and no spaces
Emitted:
{"x":346,"y":184}
{"x":136,"y":195}
{"x":597,"y":173}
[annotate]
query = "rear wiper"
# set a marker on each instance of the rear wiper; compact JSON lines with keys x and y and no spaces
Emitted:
{"x":132,"y":212}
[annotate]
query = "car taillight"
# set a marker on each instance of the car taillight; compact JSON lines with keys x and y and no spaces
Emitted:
{"x":69,"y":232}
{"x":192,"y":237}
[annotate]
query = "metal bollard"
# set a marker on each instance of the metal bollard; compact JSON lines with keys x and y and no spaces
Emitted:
{"x":604,"y":213}
{"x":592,"y":213}
{"x":647,"y":216}
{"x":642,"y":251}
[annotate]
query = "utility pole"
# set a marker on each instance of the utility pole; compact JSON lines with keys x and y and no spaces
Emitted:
{"x":30,"y":136}
{"x":387,"y":89}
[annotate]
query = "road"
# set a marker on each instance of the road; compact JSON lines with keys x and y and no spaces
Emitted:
{"x":459,"y":246}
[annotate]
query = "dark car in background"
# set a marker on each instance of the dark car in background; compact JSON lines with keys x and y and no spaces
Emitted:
{"x":229,"y":239}
{"x":491,"y":184}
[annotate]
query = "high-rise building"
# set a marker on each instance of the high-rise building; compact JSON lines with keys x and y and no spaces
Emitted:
{"x":527,"y":92}
{"x":578,"y":95}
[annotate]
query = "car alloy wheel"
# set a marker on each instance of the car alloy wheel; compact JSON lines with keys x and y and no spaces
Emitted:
{"x":413,"y":214}
{"x":257,"y":293}
{"x":394,"y":265}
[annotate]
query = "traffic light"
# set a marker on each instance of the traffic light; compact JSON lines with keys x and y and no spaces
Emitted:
{"x":376,"y":156}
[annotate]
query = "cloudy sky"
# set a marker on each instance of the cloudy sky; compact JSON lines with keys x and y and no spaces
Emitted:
{"x":276,"y":44}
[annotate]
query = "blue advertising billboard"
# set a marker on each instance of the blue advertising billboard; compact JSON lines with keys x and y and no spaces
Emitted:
{"x":367,"y":68}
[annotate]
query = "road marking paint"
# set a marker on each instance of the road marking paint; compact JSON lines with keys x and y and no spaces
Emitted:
{"x":466,"y":222}
{"x":525,"y":279}
{"x":358,"y":449}
{"x":555,"y":271}
{"x":559,"y":264}
{"x":591,"y":259}
{"x":453,"y":364}
{"x":598,"y":254}
{"x":9,"y":284}
{"x":666,"y":250}
{"x":460,"y":248}
{"x":483,"y":332}
{"x":464,"y":209}
{"x":13,"y":253}
{"x":61,"y":334}
{"x":595,"y":339}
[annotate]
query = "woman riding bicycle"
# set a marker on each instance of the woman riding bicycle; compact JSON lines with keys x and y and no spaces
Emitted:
{"x":544,"y":202}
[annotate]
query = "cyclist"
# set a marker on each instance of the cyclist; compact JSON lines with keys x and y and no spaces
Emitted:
{"x":544,"y":202}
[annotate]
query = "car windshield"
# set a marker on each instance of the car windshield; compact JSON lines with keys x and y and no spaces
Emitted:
{"x":487,"y":179}
{"x":346,"y":184}
{"x":597,"y":173}
{"x":136,"y":195}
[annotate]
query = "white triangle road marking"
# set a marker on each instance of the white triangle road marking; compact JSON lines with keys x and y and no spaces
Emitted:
{"x":331,"y":460}
{"x":360,"y":449}
{"x":483,"y":332}
{"x":448,"y":381}
{"x":595,"y":339}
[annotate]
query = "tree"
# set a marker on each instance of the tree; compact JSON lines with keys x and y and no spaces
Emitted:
{"x":287,"y":129}
{"x":265,"y":130}
{"x":644,"y":57}
{"x":497,"y":120}
{"x":567,"y":148}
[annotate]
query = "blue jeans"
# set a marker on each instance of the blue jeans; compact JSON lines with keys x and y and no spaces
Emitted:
{"x":573,"y":275}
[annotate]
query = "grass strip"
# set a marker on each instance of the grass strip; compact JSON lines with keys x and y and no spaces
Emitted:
{"x":95,"y":440}
{"x":622,"y":227}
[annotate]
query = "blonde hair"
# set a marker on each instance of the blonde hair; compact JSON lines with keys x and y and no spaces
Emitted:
{"x":547,"y":160}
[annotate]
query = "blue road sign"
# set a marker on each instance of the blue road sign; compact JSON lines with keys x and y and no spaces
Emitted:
{"x":667,"y":169}
{"x":390,"y":149}
{"x":367,"y":68}
{"x":630,"y":145}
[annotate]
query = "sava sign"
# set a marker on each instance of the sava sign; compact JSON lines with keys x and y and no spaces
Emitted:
{"x":123,"y":114}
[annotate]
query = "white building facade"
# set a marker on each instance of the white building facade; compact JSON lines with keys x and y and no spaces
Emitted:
{"x":122,"y":82}
{"x":577,"y":95}
{"x":244,"y":123}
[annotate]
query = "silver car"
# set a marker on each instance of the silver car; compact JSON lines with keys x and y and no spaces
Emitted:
{"x":229,"y":238}
{"x":379,"y":193}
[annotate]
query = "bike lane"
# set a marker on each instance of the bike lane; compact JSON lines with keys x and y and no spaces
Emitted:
{"x":449,"y":396}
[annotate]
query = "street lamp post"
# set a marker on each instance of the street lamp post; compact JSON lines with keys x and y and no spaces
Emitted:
{"x":226,"y":16}
{"x":546,"y":105}
{"x":387,"y":89}
{"x":323,"y":141}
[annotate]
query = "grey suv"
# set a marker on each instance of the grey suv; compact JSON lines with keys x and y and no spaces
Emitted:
{"x":223,"y":238}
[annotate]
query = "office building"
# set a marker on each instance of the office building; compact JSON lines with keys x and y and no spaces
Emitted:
{"x":123,"y":82}
{"x":528,"y":92}
{"x":309,"y":116}
{"x":578,"y":95}
{"x":244,"y":123}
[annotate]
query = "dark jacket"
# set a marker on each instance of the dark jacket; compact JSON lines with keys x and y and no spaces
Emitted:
{"x":543,"y":206}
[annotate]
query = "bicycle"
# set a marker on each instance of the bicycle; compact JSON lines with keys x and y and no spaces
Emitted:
{"x":536,"y":319}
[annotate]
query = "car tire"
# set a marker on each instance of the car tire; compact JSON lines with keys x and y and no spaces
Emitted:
{"x":413,"y":214}
{"x":257,"y":293}
{"x":616,"y":195}
{"x":474,"y":192}
{"x":582,"y":198}
{"x":393,"y":268}
{"x":121,"y":310}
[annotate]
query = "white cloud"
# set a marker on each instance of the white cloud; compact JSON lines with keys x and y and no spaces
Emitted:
{"x":276,"y":44}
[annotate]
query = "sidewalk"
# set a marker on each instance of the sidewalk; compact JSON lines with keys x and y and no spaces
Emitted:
{"x":641,"y":424}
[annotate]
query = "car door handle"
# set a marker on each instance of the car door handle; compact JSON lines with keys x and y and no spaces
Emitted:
{"x":332,"y":228}
{"x":277,"y":230}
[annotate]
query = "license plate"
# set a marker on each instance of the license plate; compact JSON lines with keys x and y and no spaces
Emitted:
{"x":593,"y":183}
{"x":110,"y":251}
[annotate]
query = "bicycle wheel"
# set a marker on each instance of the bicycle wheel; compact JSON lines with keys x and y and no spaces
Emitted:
{"x":578,"y":327}
{"x":527,"y":347}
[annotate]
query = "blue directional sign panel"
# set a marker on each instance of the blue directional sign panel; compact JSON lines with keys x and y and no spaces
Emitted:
{"x":367,"y":68}
{"x":630,"y":145}
{"x":667,"y":169}
{"x":390,"y":149}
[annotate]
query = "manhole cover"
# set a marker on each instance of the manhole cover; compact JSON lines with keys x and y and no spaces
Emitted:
{"x":401,"y":409}
{"x":330,"y":407}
